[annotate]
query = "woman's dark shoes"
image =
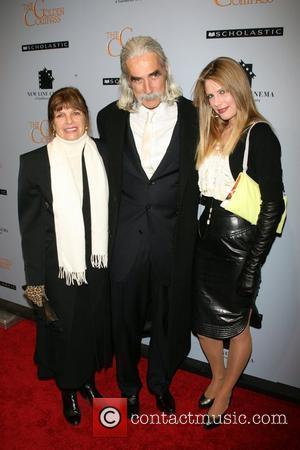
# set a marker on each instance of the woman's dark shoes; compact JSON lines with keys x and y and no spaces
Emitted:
{"x":165,"y":402}
{"x":133,"y":405}
{"x":89,"y":391}
{"x":205,"y":402}
{"x":211,"y":422}
{"x":70,"y":406}
{"x":214,"y":420}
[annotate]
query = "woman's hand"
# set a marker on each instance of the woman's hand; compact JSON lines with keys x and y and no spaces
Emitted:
{"x":268,"y":219}
{"x":35,"y":294}
{"x":249,"y":282}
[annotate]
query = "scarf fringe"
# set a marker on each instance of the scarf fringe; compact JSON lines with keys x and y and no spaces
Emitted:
{"x":71,"y":277}
{"x":99,"y":261}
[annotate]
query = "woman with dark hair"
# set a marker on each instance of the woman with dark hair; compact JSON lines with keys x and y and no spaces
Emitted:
{"x":230,"y":251}
{"x":63,"y":214}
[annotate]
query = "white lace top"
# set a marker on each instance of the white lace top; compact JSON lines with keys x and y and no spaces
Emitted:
{"x":214,"y":176}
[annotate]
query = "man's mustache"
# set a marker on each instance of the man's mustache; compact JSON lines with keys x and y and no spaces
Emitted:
{"x":152,"y":96}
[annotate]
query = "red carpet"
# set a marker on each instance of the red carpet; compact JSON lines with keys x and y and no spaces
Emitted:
{"x":31,"y":418}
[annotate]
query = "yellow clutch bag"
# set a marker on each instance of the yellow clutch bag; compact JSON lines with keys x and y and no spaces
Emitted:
{"x":244,"y":200}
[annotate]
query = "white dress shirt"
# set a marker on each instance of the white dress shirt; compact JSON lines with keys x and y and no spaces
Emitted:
{"x":163,"y":120}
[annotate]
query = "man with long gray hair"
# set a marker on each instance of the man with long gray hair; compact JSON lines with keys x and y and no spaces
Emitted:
{"x":150,"y":136}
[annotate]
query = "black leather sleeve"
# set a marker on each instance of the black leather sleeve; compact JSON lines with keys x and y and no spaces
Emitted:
{"x":268,"y":220}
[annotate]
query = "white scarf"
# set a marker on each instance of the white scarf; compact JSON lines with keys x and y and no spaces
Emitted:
{"x":67,"y":195}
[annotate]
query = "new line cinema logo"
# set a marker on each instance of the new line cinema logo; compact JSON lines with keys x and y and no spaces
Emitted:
{"x":46,"y":79}
{"x":259,"y":94}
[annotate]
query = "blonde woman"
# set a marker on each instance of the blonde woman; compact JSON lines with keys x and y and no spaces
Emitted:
{"x":230,"y":251}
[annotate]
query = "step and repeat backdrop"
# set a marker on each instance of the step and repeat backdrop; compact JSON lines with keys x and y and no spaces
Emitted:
{"x":48,"y":44}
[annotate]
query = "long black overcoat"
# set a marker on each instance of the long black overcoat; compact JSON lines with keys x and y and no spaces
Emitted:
{"x":112,"y":125}
{"x":83,"y":344}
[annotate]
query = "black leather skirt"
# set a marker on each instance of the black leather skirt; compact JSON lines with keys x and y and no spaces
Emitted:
{"x":222,"y":246}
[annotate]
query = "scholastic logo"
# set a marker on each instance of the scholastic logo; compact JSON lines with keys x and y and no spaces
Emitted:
{"x":45,"y":46}
{"x":37,"y":13}
{"x":245,"y":33}
{"x":8,"y":285}
{"x":110,"y":81}
{"x":116,"y":40}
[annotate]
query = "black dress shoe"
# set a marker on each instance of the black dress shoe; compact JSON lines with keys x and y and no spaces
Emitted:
{"x":70,"y":406}
{"x":165,"y":402}
{"x":205,"y":402}
{"x":89,"y":391}
{"x":211,"y":422}
{"x":133,"y":405}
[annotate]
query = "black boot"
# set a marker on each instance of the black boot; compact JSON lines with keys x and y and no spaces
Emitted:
{"x":70,"y":406}
{"x":89,"y":391}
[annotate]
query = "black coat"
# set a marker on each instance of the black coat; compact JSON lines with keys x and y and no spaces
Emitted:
{"x":72,"y":355}
{"x":264,"y":162}
{"x":112,"y":126}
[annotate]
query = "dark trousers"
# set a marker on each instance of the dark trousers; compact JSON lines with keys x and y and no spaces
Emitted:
{"x":134,"y":300}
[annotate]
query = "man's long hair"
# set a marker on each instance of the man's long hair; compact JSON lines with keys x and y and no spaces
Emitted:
{"x":137,"y":46}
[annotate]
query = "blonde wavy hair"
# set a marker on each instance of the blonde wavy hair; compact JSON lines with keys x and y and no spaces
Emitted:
{"x":231,"y":76}
{"x":137,"y":46}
